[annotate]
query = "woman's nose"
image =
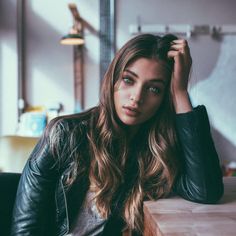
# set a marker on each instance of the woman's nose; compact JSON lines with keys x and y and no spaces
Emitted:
{"x":137,"y":96}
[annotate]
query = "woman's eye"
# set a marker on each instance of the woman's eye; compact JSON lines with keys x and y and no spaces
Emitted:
{"x":127,"y":80}
{"x":155,"y":90}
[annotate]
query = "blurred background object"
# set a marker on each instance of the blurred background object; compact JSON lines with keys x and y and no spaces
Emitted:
{"x":76,"y":33}
{"x":230,"y":169}
{"x":14,"y":152}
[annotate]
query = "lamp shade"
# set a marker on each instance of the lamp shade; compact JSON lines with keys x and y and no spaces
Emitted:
{"x":72,"y":39}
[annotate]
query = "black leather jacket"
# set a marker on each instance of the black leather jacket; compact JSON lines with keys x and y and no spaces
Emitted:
{"x":44,"y":206}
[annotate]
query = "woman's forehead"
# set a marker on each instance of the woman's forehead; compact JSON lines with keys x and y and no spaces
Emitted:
{"x":148,"y":66}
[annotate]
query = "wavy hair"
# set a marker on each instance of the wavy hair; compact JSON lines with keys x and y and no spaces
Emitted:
{"x":156,"y":159}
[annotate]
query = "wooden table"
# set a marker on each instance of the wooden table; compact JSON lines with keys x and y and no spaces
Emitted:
{"x":176,"y":216}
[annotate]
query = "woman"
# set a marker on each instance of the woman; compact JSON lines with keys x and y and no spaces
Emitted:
{"x":90,"y":172}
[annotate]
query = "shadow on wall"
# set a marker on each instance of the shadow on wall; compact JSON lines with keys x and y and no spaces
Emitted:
{"x":205,"y":51}
{"x":48,"y":58}
{"x":8,"y":64}
{"x":217,"y":92}
{"x":225,"y":148}
{"x":49,"y":65}
{"x":46,"y":55}
{"x":7,"y":24}
{"x":8,"y":8}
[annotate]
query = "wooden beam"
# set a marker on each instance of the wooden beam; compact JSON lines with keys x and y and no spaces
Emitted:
{"x":78,"y":78}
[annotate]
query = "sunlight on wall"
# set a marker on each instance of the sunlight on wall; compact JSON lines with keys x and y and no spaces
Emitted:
{"x":53,"y":20}
{"x":63,"y":20}
{"x":217,"y":92}
{"x":46,"y":10}
{"x":40,"y":88}
{"x":8,"y":90}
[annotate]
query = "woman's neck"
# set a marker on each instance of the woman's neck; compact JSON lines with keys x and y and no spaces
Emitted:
{"x":131,"y":132}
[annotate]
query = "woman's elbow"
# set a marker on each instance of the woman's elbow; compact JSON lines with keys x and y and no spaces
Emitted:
{"x":212,"y":194}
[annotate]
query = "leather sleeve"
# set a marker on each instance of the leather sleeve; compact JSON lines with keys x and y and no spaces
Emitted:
{"x":35,"y":195}
{"x":200,"y":179}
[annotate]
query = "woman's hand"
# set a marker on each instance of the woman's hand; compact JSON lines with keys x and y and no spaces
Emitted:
{"x":180,"y":52}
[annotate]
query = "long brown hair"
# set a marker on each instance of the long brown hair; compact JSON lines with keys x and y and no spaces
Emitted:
{"x":156,"y":157}
{"x":106,"y":155}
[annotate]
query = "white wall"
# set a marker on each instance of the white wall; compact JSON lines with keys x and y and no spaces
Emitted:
{"x":206,"y":53}
{"x":49,"y":64}
{"x":8,"y":67}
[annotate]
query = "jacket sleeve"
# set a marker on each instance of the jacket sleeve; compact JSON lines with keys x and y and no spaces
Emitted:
{"x":33,"y":209}
{"x":200,"y":179}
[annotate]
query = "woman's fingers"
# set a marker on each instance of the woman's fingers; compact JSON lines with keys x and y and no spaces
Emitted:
{"x":180,"y":42}
{"x":178,"y":57}
{"x":173,"y":53}
{"x":180,"y":48}
{"x":179,"y":60}
{"x":180,"y":45}
{"x":180,"y":52}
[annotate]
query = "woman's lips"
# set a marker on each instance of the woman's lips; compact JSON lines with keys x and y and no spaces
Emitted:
{"x":131,"y":111}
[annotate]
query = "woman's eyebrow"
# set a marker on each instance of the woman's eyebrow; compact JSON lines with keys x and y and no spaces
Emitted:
{"x":157,"y":80}
{"x":131,"y":72}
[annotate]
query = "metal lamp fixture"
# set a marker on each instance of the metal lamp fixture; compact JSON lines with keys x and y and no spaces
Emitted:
{"x":75,"y":36}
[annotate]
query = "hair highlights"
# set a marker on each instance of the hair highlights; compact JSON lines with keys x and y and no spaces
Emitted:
{"x":156,"y":161}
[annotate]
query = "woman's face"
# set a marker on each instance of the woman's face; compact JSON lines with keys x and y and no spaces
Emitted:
{"x":140,"y":91}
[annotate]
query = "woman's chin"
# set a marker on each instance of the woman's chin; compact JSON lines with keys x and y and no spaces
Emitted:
{"x":130,"y":121}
